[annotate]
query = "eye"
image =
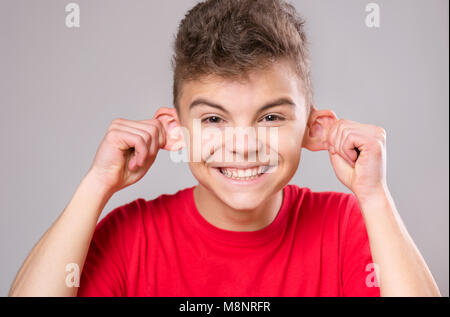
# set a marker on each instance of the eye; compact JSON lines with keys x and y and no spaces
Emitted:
{"x":272,"y":117}
{"x":212,"y":119}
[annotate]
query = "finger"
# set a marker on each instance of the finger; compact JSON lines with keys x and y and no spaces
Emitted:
{"x":336,"y":133}
{"x":150,"y":135}
{"x":152,"y":127}
{"x":338,"y":137}
{"x":343,"y":146}
{"x":332,"y":136}
{"x":155,"y":134}
{"x":162,"y":136}
{"x":143,"y":133}
{"x":126,"y":141}
{"x":353,"y":141}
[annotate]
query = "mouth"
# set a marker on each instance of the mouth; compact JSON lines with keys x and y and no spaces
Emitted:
{"x":245,"y":176}
{"x":244,"y":173}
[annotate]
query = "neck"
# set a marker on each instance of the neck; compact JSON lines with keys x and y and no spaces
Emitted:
{"x":222,"y":216}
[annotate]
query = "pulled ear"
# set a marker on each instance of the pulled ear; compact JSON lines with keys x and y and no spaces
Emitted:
{"x":172,"y":128}
{"x":319,"y":125}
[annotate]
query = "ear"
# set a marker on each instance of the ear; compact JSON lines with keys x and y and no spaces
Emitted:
{"x":172,"y":128}
{"x":319,"y":125}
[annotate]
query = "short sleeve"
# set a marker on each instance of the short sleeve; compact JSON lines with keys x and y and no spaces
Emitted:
{"x":358,"y":275}
{"x":104,"y":270}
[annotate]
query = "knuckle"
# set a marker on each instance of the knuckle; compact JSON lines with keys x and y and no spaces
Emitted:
{"x":138,"y":138}
{"x":139,"y":143}
{"x":378,"y":146}
{"x":117,"y":120}
{"x":112,"y":126}
{"x":154,"y":132}
{"x":339,"y":126}
{"x":111,"y":133}
{"x":381,"y":134}
{"x":142,"y":141}
{"x":152,"y":128}
{"x":146,"y":137}
{"x":144,"y":146}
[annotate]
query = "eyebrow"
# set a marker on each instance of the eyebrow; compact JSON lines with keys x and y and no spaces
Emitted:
{"x":277,"y":102}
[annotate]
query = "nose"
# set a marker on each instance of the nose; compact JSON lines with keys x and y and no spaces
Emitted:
{"x":243,"y":143}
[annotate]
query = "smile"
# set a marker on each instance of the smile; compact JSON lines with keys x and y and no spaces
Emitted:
{"x":243,"y":174}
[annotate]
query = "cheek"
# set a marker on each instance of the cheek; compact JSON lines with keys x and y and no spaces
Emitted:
{"x":203,"y":142}
{"x":199,"y":171}
{"x":290,"y":143}
{"x":211,"y":140}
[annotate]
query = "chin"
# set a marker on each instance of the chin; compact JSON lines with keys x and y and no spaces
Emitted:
{"x":242,"y":200}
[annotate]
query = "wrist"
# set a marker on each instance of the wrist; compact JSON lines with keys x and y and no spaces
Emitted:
{"x":376,"y":196}
{"x":95,"y":184}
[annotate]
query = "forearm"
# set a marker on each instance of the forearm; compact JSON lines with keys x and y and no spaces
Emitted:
{"x":402,"y":270}
{"x":67,"y":241}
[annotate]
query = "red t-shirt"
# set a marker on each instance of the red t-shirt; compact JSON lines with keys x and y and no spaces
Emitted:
{"x":316,"y":246}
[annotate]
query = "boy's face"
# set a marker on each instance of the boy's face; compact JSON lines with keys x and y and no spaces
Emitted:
{"x":227,"y":104}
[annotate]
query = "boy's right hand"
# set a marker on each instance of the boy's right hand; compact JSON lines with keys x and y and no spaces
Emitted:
{"x":126,"y":153}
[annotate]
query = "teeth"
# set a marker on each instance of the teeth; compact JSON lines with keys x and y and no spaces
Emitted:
{"x":263,"y":169}
{"x":244,"y":174}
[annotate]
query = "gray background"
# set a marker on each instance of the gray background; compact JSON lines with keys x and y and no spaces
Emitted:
{"x":60,"y":88}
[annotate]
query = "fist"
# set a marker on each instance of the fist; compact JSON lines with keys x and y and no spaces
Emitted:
{"x":358,"y":156}
{"x":357,"y":151}
{"x":127,"y":151}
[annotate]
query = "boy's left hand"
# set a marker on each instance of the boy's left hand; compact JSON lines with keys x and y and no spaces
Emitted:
{"x":364,"y":173}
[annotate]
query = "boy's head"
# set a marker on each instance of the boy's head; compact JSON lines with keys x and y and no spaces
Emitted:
{"x":230,"y":38}
{"x":245,"y":63}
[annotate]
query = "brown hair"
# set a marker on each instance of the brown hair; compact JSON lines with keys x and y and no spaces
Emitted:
{"x":229,"y":38}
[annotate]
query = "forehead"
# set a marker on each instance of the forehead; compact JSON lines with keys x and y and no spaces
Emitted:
{"x":277,"y":80}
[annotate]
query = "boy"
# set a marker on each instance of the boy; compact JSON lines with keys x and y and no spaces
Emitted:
{"x":243,"y":230}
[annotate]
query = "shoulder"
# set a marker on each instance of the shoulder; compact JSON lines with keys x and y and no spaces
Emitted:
{"x":323,"y":204}
{"x":309,"y":197}
{"x":334,"y":217}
